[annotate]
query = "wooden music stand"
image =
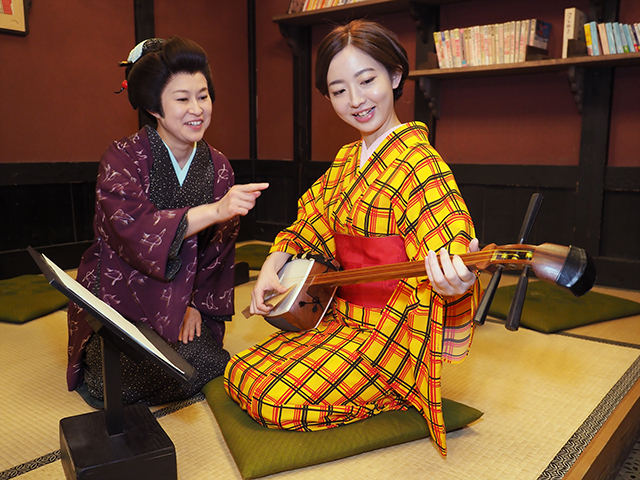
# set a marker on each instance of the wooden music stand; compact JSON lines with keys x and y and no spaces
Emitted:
{"x":119,"y":442}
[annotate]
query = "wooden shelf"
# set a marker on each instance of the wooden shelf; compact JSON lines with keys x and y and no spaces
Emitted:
{"x":352,"y":11}
{"x":535,"y":66}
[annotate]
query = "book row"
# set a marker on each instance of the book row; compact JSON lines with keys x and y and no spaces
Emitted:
{"x":490,"y":44}
{"x":610,"y":38}
{"x":306,"y":5}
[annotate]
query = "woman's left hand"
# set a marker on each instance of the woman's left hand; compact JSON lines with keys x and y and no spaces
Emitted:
{"x":454,"y":278}
{"x":191,"y":325}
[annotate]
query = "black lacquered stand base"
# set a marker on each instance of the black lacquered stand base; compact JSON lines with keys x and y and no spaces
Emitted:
{"x":142,"y":450}
{"x":118,"y":443}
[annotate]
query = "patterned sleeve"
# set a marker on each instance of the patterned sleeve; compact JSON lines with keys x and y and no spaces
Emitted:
{"x":140,"y":233}
{"x":432,"y":215}
{"x":428,"y":207}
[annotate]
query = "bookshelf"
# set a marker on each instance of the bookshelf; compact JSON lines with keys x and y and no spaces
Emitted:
{"x":530,"y":66}
{"x":353,"y":10}
{"x":427,"y":77}
{"x":424,"y":76}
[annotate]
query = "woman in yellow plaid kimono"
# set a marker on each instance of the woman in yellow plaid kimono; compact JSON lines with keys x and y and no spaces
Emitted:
{"x":386,"y":198}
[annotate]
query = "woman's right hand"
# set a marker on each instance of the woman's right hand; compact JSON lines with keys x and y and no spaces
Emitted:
{"x":268,"y":283}
{"x":239,"y":200}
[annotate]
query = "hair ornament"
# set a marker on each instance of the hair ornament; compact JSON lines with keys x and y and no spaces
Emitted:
{"x":123,"y":87}
{"x":141,"y":49}
{"x":144,"y":47}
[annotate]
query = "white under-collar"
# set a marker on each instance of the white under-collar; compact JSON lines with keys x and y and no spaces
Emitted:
{"x":181,"y":173}
{"x":366,"y":152}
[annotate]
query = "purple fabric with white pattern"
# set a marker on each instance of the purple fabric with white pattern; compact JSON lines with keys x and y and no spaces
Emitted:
{"x":127,"y":266}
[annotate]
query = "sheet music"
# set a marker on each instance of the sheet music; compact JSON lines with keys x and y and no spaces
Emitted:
{"x":108,"y":312}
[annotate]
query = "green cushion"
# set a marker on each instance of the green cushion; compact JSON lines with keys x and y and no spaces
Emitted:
{"x":27,"y":297}
{"x":260,"y":451}
{"x":549,"y":308}
{"x":252,"y":253}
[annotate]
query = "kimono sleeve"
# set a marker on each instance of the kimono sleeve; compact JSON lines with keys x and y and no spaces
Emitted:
{"x":433,"y":215}
{"x":140,"y":233}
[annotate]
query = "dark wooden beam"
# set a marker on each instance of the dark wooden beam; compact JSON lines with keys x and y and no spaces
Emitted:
{"x":145,"y":25}
{"x":47,"y":173}
{"x":547,"y":176}
{"x":19,"y":262}
{"x":253,"y":84}
{"x":625,"y":179}
{"x":299,"y":39}
{"x":594,"y":146}
{"x":618,"y":272}
{"x":144,"y":19}
{"x":594,"y":143}
{"x":427,"y":18}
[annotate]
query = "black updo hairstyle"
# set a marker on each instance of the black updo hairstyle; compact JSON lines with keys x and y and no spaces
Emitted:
{"x":369,"y":37}
{"x":160,"y":61}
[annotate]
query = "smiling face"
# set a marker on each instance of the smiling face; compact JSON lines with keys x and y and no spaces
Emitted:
{"x":187,"y":111}
{"x":361,"y":92}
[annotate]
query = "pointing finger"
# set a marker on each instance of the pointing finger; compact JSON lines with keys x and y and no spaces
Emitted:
{"x":254,"y":187}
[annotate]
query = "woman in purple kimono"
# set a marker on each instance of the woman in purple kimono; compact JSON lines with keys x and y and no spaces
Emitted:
{"x":165,"y":225}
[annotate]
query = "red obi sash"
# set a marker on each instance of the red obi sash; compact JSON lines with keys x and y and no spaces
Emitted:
{"x":358,"y":252}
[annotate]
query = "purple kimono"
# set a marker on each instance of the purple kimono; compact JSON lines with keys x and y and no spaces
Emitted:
{"x":140,"y":263}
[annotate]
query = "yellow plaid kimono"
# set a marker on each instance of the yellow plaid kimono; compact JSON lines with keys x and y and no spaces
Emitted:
{"x":361,"y":361}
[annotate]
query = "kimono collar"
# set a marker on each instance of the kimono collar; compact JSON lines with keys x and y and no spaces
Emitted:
{"x":165,"y":190}
{"x":181,"y":173}
{"x":366,"y":152}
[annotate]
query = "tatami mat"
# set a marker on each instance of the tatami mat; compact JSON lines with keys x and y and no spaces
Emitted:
{"x":536,"y":390}
{"x":34,"y":395}
{"x":624,"y":330}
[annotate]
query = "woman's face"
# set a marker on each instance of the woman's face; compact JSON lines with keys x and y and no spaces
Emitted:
{"x":187,"y":110}
{"x":361,"y":92}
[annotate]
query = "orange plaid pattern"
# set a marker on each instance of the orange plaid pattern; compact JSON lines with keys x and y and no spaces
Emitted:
{"x":361,"y":361}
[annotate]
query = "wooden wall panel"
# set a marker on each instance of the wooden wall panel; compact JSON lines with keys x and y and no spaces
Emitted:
{"x":621,"y":225}
{"x":497,"y":197}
